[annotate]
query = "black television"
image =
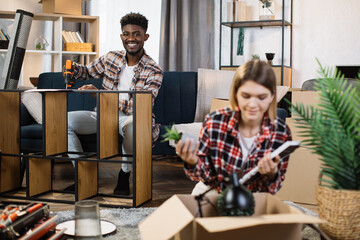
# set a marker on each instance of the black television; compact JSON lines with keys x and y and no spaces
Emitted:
{"x":349,"y":71}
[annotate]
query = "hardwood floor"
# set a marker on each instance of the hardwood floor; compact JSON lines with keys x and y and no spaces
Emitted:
{"x":168,"y":179}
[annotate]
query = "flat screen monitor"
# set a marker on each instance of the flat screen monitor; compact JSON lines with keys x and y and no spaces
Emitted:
{"x":349,"y":71}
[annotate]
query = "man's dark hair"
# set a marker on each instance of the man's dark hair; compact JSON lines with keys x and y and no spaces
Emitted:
{"x":136,"y":19}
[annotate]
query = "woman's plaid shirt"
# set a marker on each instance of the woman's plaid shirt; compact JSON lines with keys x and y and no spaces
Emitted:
{"x":219,"y":143}
{"x":148,"y":77}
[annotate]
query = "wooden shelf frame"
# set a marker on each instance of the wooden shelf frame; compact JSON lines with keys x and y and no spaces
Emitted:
{"x":38,"y":166}
{"x":57,"y":52}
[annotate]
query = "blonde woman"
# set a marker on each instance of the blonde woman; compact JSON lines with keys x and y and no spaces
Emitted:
{"x":239,"y":138}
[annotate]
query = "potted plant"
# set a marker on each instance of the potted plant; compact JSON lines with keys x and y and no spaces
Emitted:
{"x":332,"y":131}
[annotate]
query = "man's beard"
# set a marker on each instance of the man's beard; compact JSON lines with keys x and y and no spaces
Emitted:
{"x":134,"y":53}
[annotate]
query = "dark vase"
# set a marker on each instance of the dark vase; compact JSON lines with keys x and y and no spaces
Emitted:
{"x":270,"y":57}
{"x":236,"y":200}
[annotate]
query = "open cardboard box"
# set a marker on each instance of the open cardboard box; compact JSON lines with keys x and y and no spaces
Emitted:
{"x":177,"y":219}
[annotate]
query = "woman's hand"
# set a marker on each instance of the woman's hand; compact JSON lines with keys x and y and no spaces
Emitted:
{"x":88,"y":87}
{"x":268,"y":166}
{"x":185,"y":152}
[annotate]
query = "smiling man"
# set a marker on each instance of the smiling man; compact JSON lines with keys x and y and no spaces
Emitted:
{"x":126,"y":70}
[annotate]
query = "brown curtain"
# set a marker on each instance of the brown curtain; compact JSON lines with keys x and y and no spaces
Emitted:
{"x":187,"y":35}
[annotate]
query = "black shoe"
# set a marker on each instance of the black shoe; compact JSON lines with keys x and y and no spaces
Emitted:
{"x":123,"y":185}
{"x":70,"y":188}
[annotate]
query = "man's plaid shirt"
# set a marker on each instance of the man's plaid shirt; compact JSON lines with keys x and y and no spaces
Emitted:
{"x":219,"y":142}
{"x":148,"y":76}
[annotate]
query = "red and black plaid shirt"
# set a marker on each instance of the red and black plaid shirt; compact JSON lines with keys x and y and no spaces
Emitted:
{"x":219,"y":143}
{"x":148,"y":77}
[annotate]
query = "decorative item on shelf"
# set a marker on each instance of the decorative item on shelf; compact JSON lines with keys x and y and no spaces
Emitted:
{"x":34,"y":81}
{"x":4,"y":39}
{"x":332,"y":131}
{"x":78,"y":47}
{"x":266,"y":10}
{"x":4,"y":44}
{"x":41,"y":43}
{"x":255,"y":56}
{"x":270,"y":57}
{"x":236,"y":200}
{"x":74,"y":42}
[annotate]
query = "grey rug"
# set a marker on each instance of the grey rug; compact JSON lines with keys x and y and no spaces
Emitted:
{"x":125,"y":220}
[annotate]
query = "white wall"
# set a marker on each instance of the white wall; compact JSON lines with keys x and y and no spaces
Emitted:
{"x":326,"y":29}
{"x":323,"y":29}
{"x":110,"y":13}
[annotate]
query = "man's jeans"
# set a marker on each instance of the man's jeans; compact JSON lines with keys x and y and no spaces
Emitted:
{"x":84,"y":122}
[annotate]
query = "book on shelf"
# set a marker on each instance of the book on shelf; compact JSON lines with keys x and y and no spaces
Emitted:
{"x":3,"y":35}
{"x":79,"y":37}
{"x":75,"y":38}
{"x":65,"y":37}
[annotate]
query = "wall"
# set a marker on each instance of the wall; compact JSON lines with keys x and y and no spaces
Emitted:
{"x":325,"y":29}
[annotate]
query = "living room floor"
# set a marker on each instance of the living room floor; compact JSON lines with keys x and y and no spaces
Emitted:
{"x":168,"y":179}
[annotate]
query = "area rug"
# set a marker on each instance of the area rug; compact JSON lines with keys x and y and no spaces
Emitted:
{"x":125,"y":220}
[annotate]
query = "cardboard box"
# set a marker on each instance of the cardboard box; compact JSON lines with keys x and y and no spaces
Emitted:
{"x":176,"y":219}
{"x":217,"y":103}
{"x":306,"y":97}
{"x":302,"y":173}
{"x":72,"y":7}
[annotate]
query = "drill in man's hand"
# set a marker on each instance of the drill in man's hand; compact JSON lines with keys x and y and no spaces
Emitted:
{"x":68,"y":74}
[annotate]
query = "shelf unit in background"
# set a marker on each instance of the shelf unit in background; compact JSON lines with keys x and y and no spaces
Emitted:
{"x":282,"y":71}
{"x":55,"y":52}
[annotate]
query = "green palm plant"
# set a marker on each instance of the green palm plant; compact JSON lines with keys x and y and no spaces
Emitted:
{"x":332,"y":129}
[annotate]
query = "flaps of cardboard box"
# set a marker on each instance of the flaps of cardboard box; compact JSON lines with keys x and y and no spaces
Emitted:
{"x":268,"y":210}
{"x":170,"y":218}
{"x":178,"y":217}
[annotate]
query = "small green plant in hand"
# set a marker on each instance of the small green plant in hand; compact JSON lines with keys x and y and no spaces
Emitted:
{"x":171,"y":134}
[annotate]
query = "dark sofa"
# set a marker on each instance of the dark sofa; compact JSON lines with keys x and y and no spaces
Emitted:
{"x":175,"y":104}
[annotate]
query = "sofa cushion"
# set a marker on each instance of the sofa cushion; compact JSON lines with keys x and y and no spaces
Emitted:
{"x":76,"y":101}
{"x":33,"y":131}
{"x":25,"y":118}
{"x":33,"y":103}
{"x":176,"y":101}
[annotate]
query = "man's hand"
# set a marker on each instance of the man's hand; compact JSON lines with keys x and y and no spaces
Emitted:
{"x":268,"y":166}
{"x":89,"y":87}
{"x":185,"y":153}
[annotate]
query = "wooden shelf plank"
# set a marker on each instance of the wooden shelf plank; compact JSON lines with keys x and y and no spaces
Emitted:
{"x":267,"y":23}
{"x":53,"y":17}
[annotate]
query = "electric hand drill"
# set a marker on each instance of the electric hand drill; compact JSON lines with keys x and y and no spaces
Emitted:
{"x":68,"y":74}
